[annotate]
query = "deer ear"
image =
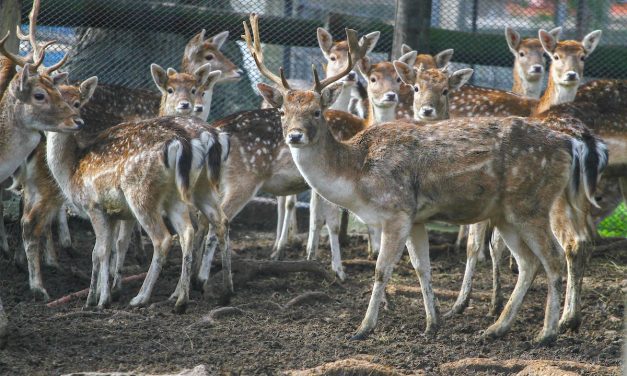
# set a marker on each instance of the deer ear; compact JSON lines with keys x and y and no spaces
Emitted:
{"x":329,"y":94}
{"x":409,"y":58}
{"x":556,"y":32}
{"x":60,"y":78}
{"x":159,"y":76}
{"x":591,"y":41}
{"x":459,"y":78}
{"x":369,"y":41}
{"x":513,"y":39}
{"x":87,"y":89}
{"x":207,"y":78}
{"x":271,"y":94}
{"x":219,"y":39}
{"x":444,"y":57}
{"x":364,"y":65}
{"x":406,"y":72}
{"x":405,"y":49}
{"x":548,"y":41}
{"x":325,"y":40}
{"x":171,"y":71}
{"x":23,"y":90}
{"x":202,"y":73}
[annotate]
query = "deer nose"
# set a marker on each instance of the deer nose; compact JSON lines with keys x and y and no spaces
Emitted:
{"x":239,"y":72}
{"x":390,"y":96}
{"x":184,"y":105}
{"x":79,"y":123}
{"x":427,"y":111}
{"x":199,"y":108}
{"x":351,"y":76}
{"x":572,"y":76}
{"x":295,"y":138}
{"x":537,"y":68}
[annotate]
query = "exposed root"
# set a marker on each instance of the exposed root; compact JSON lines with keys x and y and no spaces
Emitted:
{"x":308,"y":298}
{"x":414,"y":291}
{"x":82,"y":293}
{"x":220,"y":313}
{"x":359,"y":263}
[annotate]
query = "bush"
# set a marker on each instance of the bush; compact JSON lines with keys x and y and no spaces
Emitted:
{"x":616,"y":224}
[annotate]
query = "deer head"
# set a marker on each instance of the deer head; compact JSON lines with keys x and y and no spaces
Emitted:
{"x":528,"y":54}
{"x":336,"y":53}
{"x":201,"y":50}
{"x":567,"y":57}
{"x":431,"y":88}
{"x":301,"y":110}
{"x":182,"y":93}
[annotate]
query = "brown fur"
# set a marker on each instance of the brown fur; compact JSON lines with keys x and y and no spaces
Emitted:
{"x":199,"y":52}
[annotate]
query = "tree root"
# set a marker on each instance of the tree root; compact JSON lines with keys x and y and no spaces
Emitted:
{"x":82,"y":293}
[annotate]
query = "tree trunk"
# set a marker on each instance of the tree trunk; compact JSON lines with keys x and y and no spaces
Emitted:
{"x":9,"y":17}
{"x":413,"y":20}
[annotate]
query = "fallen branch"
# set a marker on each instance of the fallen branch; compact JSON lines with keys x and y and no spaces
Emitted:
{"x":414,"y":291}
{"x":308,"y":298}
{"x":82,"y":293}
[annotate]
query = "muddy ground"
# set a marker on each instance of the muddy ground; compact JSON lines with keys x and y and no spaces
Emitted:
{"x":267,"y":340}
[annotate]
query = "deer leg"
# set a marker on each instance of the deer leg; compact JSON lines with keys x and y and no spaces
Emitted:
{"x":528,"y":264}
{"x":476,"y":238}
{"x":497,"y":248}
{"x":280,"y":209}
{"x":65,"y":239}
{"x":161,"y":242}
{"x":51,"y":254}
{"x":316,"y":221}
{"x":99,"y":290}
{"x":200,"y":237}
{"x":4,"y":323}
{"x":461,"y":234}
{"x":122,"y":241}
{"x":393,"y":239}
{"x":332,"y":215}
{"x":290,"y":208}
{"x":374,"y":242}
{"x":32,"y":235}
{"x":4,"y":244}
{"x":418,"y":246}
{"x":292,"y":231}
{"x":180,"y":218}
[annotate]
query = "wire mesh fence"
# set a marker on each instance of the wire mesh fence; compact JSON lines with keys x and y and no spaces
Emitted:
{"x":119,"y":39}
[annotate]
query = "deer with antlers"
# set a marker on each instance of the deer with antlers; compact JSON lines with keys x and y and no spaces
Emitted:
{"x":436,"y":173}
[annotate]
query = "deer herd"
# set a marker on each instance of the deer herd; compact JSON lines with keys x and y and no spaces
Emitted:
{"x":414,"y":144}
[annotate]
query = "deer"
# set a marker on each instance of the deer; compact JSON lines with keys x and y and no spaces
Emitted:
{"x":439,"y":60}
{"x":359,"y":174}
{"x":570,"y":226}
{"x":31,"y":103}
{"x":528,"y":72}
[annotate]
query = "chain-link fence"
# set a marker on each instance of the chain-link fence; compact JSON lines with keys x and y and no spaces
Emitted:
{"x":118,"y":39}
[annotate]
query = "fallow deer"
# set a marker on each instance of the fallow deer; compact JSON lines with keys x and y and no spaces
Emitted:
{"x":528,"y":72}
{"x":31,"y":104}
{"x":415,"y":163}
{"x":569,"y":223}
{"x":439,"y":60}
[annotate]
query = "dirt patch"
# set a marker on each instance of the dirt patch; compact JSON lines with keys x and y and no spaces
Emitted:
{"x":265,"y":337}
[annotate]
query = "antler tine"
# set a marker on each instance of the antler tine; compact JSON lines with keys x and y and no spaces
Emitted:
{"x":32,"y":27}
{"x":355,"y":53}
{"x":254,"y":47}
{"x":17,"y":59}
{"x":58,"y":65}
{"x":39,"y":59}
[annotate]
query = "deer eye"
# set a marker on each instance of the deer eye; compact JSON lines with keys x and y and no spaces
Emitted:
{"x":170,"y":90}
{"x":317,"y":113}
{"x":333,"y":58}
{"x":416,"y":89}
{"x":372,"y":79}
{"x":202,"y":94}
{"x":77,"y":104}
{"x":282,"y":113}
{"x":39,"y":96}
{"x":398,"y":80}
{"x":445,"y":92}
{"x":521,"y":54}
{"x":209,"y":57}
{"x":583,"y":57}
{"x":194,"y":91}
{"x":556,"y":57}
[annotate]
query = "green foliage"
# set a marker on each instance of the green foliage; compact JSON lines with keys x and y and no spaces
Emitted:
{"x":616,"y":224}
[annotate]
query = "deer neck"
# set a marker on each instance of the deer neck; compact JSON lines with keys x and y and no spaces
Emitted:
{"x":62,"y":153}
{"x":377,"y":115}
{"x":524,"y":87}
{"x":555,"y":94}
{"x":206,"y":101}
{"x":329,"y":167}
{"x":343,"y":100}
{"x":17,"y":140}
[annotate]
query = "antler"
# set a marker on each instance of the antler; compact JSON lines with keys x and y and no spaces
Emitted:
{"x":254,"y":47}
{"x":17,"y":59}
{"x":56,"y":66}
{"x":355,"y":53}
{"x":32,"y":27}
